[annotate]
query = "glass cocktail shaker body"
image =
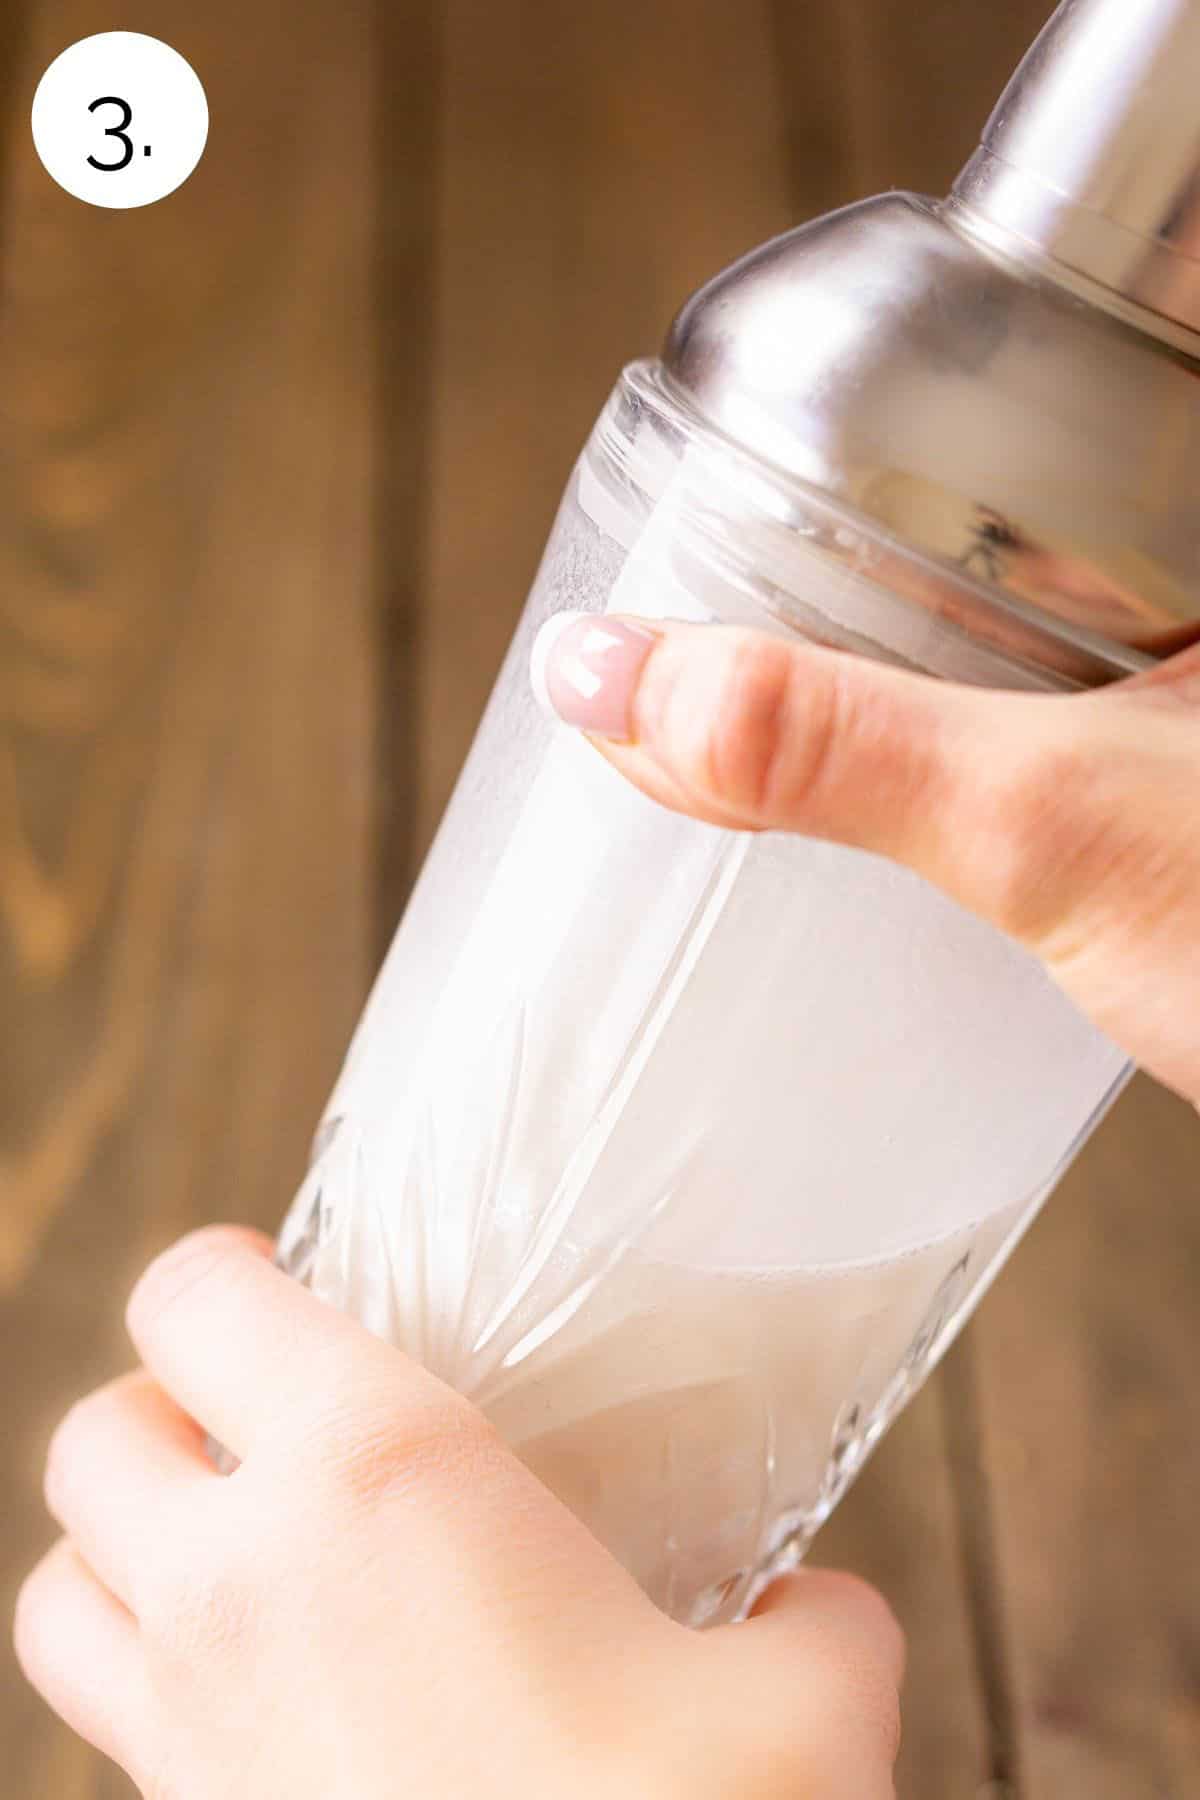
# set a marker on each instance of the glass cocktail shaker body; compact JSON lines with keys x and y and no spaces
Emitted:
{"x":683,"y":1152}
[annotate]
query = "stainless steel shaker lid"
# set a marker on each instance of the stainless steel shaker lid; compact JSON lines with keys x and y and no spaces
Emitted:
{"x":996,"y":379}
{"x":1092,"y":155}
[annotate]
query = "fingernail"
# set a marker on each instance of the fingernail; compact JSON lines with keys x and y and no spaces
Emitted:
{"x":585,"y":670}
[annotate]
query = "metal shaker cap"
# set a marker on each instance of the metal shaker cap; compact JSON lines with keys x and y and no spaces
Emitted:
{"x":1092,"y":155}
{"x":1005,"y":380}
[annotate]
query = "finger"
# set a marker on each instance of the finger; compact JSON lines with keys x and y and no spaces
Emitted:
{"x":254,"y":1357}
{"x":80,"y":1649}
{"x":119,"y":1470}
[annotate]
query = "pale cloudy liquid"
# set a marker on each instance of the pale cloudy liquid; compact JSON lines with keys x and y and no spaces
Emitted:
{"x":689,"y":1163}
{"x":701,"y":1423}
{"x":692,"y":1161}
{"x":680,"y":1152}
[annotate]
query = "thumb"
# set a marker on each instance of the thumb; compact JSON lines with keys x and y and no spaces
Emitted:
{"x":825,"y":1651}
{"x":1067,"y":821}
{"x":764,"y":733}
{"x":979,"y":790}
{"x":841,"y":1613}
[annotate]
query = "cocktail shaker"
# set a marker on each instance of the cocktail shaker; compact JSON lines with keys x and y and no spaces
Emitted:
{"x":686,"y":1152}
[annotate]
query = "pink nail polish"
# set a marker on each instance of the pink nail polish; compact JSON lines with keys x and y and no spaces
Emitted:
{"x":585,"y":669}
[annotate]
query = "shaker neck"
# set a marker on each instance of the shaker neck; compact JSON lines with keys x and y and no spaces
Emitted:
{"x":1091,"y":159}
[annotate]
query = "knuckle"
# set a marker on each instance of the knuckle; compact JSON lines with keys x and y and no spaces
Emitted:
{"x":208,"y":1618}
{"x":366,"y":1447}
{"x":28,"y":1619}
{"x":1042,"y":833}
{"x":45,"y":1616}
{"x":747,"y":744}
{"x":438,"y":1450}
{"x":74,"y":1444}
{"x":201,"y":1601}
{"x":57,"y":1473}
{"x":789,"y":735}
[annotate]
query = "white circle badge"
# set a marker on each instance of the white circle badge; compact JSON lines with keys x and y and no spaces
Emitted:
{"x":120,"y":119}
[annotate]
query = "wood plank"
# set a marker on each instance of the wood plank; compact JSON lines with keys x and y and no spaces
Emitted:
{"x":1086,"y":1357}
{"x":900,"y":1526}
{"x":14,"y":33}
{"x":913,"y":87}
{"x":406,"y":101}
{"x":597,"y":163}
{"x":186,"y":705}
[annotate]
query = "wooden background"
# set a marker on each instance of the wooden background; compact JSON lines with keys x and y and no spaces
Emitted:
{"x":276,"y":460}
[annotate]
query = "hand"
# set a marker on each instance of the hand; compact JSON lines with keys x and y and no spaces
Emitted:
{"x":1070,"y":822}
{"x":381,"y":1600}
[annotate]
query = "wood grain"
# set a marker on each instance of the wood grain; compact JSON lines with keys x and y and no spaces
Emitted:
{"x":1086,"y":1355}
{"x":405,"y":105}
{"x":186,"y":705}
{"x":911,"y":87}
{"x":277,"y":459}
